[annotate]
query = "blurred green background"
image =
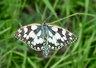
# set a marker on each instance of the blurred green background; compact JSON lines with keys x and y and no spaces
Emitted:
{"x":78,"y":16}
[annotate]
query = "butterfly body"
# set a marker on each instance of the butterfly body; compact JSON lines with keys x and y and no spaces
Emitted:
{"x":45,"y":37}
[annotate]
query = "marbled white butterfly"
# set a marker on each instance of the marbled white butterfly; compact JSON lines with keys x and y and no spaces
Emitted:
{"x":44,"y":37}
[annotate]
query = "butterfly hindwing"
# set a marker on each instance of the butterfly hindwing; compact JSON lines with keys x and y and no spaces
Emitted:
{"x":59,"y":37}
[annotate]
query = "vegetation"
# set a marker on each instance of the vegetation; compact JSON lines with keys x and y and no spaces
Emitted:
{"x":78,"y":16}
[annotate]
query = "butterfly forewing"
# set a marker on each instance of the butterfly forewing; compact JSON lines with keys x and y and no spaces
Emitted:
{"x":31,"y":34}
{"x":59,"y":37}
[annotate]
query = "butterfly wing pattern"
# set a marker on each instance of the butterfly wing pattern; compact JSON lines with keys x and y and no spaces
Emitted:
{"x":30,"y":34}
{"x":59,"y":37}
{"x":45,"y":37}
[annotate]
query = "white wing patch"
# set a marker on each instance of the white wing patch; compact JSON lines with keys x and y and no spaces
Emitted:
{"x":34,"y":27}
{"x":19,"y":31}
{"x":63,"y":31}
{"x":64,"y":38}
{"x":39,"y":33}
{"x":57,"y":36}
{"x":50,"y":34}
{"x":54,"y":29}
{"x":32,"y":34}
{"x":70,"y":34}
{"x":25,"y":29}
{"x":25,"y":35}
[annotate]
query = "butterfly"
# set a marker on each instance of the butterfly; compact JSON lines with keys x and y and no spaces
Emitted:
{"x":44,"y":37}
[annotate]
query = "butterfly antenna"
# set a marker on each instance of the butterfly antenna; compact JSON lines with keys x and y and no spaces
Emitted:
{"x":47,"y":19}
{"x":44,"y":20}
{"x":40,"y":15}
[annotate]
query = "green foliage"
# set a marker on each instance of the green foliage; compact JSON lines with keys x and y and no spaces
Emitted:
{"x":78,"y":17}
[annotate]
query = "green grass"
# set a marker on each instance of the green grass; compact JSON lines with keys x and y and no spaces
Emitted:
{"x":79,"y":17}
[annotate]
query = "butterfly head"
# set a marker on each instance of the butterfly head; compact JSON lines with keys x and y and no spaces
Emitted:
{"x":44,"y":23}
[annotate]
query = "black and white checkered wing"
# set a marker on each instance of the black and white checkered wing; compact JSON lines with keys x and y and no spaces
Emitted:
{"x":59,"y":37}
{"x":30,"y":34}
